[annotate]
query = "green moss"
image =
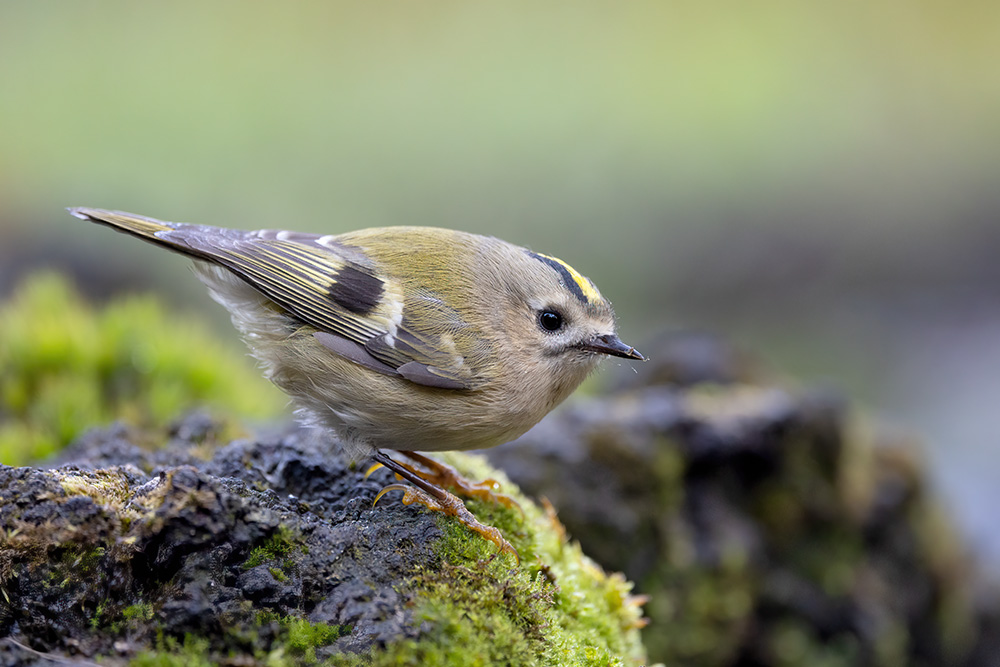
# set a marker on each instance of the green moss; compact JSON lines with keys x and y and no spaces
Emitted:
{"x":108,"y":488}
{"x":296,"y":643}
{"x":171,"y":653}
{"x":265,"y":616}
{"x":66,"y":366}
{"x":97,"y":620}
{"x":556,"y":608}
{"x":82,"y":559}
{"x":275,"y":548}
{"x":142,"y":611}
{"x":303,"y":638}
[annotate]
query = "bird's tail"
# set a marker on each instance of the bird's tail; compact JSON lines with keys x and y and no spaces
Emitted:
{"x":148,"y":229}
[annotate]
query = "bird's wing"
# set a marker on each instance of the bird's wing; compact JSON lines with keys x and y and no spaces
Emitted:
{"x":333,"y":287}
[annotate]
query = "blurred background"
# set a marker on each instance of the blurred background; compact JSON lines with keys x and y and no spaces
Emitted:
{"x":817,"y":182}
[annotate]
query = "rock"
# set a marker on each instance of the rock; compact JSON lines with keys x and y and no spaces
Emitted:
{"x":271,"y":550}
{"x":768,"y":525}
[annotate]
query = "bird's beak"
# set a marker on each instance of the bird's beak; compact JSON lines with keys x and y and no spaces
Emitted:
{"x":612,"y":345}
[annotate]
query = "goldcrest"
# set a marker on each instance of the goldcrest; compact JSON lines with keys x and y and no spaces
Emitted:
{"x":401,"y":338}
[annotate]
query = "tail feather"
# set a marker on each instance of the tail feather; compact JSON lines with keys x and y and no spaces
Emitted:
{"x":148,"y":229}
{"x":127,"y":222}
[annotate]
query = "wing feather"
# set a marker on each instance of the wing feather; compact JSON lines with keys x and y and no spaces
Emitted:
{"x":357,"y":316}
{"x":301,"y":277}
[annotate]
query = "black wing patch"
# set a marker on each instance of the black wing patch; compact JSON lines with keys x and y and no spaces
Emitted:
{"x":356,"y":290}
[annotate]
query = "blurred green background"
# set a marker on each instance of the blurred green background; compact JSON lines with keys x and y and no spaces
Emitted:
{"x":816,"y":181}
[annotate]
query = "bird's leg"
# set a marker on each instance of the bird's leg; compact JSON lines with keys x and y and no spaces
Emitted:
{"x":428,"y":492}
{"x":444,"y":475}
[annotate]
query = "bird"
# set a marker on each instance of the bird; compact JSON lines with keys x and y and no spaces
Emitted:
{"x":404,"y":339}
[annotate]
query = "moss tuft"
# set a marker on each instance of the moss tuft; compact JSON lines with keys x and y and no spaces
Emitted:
{"x":66,"y":366}
{"x":277,"y":547}
{"x":142,"y":611}
{"x":303,"y":637}
{"x":172,"y":653}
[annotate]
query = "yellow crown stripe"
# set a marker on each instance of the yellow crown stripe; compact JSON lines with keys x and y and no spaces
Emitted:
{"x":582,"y":282}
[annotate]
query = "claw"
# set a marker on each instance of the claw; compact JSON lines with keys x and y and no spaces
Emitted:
{"x":392,"y":487}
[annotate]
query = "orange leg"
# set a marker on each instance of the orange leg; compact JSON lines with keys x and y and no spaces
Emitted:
{"x":428,"y":492}
{"x":445,"y":476}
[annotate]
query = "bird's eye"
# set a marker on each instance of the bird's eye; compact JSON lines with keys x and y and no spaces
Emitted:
{"x":550,"y":320}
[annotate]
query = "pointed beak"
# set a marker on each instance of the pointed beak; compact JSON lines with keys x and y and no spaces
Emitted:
{"x":612,"y":345}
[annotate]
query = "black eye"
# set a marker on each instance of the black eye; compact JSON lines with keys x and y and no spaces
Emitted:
{"x":550,"y":320}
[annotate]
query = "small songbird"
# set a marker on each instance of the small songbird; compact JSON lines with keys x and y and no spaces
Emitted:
{"x":402,"y":338}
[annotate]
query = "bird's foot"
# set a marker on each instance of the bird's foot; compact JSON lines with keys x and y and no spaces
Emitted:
{"x":451,"y":505}
{"x":429,"y":479}
{"x":445,"y":476}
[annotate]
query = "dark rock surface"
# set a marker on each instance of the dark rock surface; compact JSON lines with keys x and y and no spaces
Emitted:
{"x":195,"y":524}
{"x":269,"y":551}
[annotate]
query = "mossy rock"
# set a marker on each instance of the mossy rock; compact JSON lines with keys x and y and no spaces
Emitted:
{"x":271,"y":550}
